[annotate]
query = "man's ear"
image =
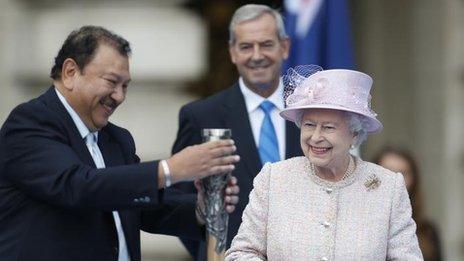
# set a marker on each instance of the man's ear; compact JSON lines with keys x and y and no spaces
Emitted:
{"x":69,"y":73}
{"x":285,"y":45}
{"x":232,"y":53}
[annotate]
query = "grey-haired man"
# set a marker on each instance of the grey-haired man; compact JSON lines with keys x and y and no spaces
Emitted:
{"x":258,"y":45}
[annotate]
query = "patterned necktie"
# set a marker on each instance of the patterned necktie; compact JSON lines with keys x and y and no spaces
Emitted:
{"x":268,"y":145}
{"x":91,"y":141}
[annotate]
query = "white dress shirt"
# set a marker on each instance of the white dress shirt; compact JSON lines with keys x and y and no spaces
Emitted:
{"x":256,"y":115}
{"x":99,"y":162}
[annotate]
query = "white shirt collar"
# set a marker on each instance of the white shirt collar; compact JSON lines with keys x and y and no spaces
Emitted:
{"x":253,"y":100}
{"x":83,"y":130}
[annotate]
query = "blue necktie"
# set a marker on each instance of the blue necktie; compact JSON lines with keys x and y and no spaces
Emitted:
{"x":268,"y":145}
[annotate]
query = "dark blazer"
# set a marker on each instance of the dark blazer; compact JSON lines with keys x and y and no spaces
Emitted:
{"x":227,"y":109}
{"x":54,"y":203}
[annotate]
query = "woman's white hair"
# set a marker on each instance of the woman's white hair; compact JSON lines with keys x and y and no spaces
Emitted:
{"x":356,"y":124}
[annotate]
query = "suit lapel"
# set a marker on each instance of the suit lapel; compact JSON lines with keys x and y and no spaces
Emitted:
{"x":236,"y":117}
{"x":292,"y":140}
{"x":113,"y":156}
{"x":110,"y":150}
{"x":75,"y":139}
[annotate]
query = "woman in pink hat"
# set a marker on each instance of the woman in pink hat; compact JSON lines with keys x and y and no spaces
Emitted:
{"x":327,"y":205}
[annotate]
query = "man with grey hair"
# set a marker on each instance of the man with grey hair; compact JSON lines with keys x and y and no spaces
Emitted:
{"x":258,"y":45}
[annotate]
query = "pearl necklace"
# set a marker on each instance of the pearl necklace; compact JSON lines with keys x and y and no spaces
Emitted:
{"x":349,"y":171}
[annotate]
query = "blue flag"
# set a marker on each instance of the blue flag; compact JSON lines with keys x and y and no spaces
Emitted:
{"x":320,"y":33}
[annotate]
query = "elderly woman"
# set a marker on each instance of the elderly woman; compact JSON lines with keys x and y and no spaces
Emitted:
{"x":328,"y":205}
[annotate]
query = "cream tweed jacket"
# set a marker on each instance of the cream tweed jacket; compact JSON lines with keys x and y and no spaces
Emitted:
{"x":294,"y":215}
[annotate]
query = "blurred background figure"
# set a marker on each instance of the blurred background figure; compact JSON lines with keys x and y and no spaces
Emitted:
{"x":401,"y":160}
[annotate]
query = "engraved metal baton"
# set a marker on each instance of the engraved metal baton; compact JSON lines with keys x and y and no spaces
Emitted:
{"x":215,"y":213}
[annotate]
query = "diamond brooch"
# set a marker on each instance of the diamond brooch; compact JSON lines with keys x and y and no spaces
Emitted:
{"x":372,"y":182}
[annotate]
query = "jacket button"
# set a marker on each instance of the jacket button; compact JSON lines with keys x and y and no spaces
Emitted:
{"x":116,"y":251}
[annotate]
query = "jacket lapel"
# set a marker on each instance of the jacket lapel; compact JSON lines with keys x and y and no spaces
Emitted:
{"x":236,"y":117}
{"x":75,"y":139}
{"x":113,"y":156}
{"x":292,"y":140}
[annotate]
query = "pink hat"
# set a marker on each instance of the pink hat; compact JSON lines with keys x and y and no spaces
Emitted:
{"x":344,"y":90}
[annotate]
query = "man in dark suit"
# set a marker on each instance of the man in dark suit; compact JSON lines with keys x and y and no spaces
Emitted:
{"x":258,"y":45}
{"x":71,"y":185}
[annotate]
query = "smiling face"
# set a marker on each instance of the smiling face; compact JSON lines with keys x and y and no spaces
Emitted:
{"x":326,"y":139}
{"x":258,"y":53}
{"x":96,"y":91}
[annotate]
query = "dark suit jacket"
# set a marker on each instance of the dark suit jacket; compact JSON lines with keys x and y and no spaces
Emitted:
{"x":54,"y":203}
{"x":227,"y":109}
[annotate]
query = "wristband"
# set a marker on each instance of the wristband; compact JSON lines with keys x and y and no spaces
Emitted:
{"x":167,"y":173}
